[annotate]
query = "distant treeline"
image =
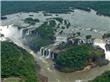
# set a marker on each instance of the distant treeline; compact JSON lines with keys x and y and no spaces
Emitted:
{"x":102,"y":7}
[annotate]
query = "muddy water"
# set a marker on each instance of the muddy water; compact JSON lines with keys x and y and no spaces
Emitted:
{"x":46,"y":65}
{"x":53,"y":75}
{"x":56,"y":76}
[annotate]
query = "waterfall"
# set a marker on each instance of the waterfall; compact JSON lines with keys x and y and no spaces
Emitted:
{"x":13,"y":34}
{"x":102,"y":44}
{"x":21,"y":33}
{"x":46,"y":53}
{"x":49,"y":52}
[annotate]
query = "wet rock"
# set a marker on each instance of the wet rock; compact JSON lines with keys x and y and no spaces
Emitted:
{"x":107,"y":47}
{"x":3,"y":18}
{"x":102,"y":61}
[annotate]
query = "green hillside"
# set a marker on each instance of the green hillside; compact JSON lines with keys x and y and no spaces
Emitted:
{"x":16,"y":62}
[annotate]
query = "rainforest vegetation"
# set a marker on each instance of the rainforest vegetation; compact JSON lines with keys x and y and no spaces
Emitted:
{"x":73,"y":58}
{"x":16,"y":62}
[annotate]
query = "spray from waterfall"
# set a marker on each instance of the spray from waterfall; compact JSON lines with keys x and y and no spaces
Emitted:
{"x":101,"y":44}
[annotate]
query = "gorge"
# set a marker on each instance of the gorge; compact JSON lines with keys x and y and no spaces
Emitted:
{"x":39,"y":39}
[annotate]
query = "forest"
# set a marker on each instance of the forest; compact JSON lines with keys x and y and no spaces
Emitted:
{"x":74,"y":58}
{"x":16,"y":62}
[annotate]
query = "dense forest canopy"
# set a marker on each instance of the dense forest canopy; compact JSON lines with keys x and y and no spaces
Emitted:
{"x":16,"y":62}
{"x":76,"y":57}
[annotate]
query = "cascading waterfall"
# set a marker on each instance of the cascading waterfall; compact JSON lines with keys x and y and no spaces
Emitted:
{"x":18,"y":35}
{"x":49,"y":53}
{"x":46,"y":53}
{"x":21,"y":32}
{"x":102,"y":44}
{"x":13,"y":34}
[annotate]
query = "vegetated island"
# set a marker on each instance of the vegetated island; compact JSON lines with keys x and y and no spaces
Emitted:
{"x":45,"y":35}
{"x":79,"y":57}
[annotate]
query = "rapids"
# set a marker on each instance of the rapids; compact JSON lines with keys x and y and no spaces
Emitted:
{"x":102,"y":44}
{"x":47,"y":69}
{"x":86,"y":22}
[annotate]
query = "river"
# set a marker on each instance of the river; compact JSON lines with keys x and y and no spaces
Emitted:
{"x":47,"y":68}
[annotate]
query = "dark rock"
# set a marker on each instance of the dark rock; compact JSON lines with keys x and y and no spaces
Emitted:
{"x":102,"y":61}
{"x":3,"y":18}
{"x":107,"y":47}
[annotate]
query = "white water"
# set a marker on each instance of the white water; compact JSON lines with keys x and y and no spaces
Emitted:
{"x":14,"y":35}
{"x":77,"y":17}
{"x":101,"y":44}
{"x":81,"y":21}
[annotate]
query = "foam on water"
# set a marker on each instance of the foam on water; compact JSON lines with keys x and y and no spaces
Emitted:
{"x":102,"y":44}
{"x":81,"y":21}
{"x":85,"y":19}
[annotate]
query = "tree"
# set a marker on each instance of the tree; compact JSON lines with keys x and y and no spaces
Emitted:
{"x":73,"y":58}
{"x":16,"y":62}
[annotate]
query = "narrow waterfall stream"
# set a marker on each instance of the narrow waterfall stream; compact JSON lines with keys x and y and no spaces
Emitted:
{"x":102,"y":44}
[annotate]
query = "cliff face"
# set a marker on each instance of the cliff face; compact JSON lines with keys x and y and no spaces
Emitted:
{"x":107,"y":47}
